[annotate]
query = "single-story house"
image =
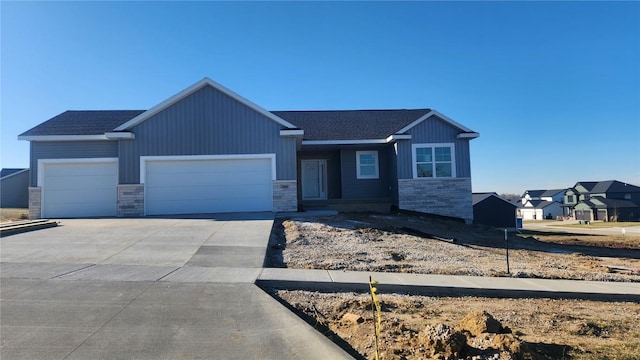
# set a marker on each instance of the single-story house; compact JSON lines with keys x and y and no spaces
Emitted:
{"x":207,"y":149}
{"x":14,"y":188}
{"x":491,"y":210}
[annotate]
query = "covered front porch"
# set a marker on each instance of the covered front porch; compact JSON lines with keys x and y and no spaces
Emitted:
{"x":347,"y":178}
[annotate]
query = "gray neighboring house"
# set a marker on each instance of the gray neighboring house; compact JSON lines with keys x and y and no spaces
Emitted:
{"x":14,"y":188}
{"x":207,"y":149}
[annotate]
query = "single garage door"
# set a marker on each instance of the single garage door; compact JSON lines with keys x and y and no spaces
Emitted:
{"x":208,"y":186}
{"x":78,"y":189}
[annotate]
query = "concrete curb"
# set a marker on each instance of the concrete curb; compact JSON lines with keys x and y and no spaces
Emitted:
{"x":24,"y":226}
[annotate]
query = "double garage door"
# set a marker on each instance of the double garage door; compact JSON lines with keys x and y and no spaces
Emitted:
{"x":190,"y":186}
{"x":179,"y":185}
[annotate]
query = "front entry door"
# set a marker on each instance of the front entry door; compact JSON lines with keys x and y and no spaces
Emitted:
{"x":314,"y":179}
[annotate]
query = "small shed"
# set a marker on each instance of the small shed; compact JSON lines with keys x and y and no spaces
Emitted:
{"x":491,"y":210}
{"x":14,"y":188}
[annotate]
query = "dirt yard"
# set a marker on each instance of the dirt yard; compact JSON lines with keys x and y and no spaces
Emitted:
{"x":11,"y":214}
{"x":419,"y":327}
{"x":404,"y":243}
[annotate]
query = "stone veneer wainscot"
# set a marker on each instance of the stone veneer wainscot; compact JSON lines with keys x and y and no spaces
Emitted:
{"x":285,"y":195}
{"x":447,"y":197}
{"x":130,"y":200}
{"x":35,"y":203}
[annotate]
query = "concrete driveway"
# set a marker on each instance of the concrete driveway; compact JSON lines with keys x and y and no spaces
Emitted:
{"x":150,"y":288}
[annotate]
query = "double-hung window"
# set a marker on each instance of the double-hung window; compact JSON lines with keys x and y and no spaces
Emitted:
{"x":433,"y":160}
{"x":367,"y":164}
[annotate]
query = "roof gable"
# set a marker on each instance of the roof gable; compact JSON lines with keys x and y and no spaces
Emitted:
{"x":470,"y":133}
{"x":480,"y":197}
{"x":192,"y":89}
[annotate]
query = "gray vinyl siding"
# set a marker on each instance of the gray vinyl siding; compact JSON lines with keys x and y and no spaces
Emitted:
{"x":14,"y":190}
{"x":334,"y":186}
{"x":354,"y":188}
{"x":433,"y":130}
{"x":207,"y":122}
{"x":69,"y":150}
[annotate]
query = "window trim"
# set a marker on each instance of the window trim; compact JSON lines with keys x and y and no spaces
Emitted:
{"x":414,"y":163}
{"x":376,"y":164}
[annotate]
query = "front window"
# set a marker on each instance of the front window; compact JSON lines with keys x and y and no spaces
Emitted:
{"x":433,"y":160}
{"x":367,"y":164}
{"x":570,"y":199}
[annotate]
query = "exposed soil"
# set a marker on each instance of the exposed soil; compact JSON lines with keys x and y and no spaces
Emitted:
{"x":419,"y":327}
{"x":12,"y":214}
{"x":415,"y":244}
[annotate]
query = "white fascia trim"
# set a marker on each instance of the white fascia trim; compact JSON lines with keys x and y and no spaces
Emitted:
{"x":120,"y":135}
{"x":44,"y":162}
{"x":291,"y":132}
{"x":62,"y":137}
{"x":438,"y":114}
{"x":472,"y":135}
{"x":145,"y":159}
{"x":14,"y":174}
{"x":190,"y":90}
{"x":395,"y":137}
{"x":343,"y":142}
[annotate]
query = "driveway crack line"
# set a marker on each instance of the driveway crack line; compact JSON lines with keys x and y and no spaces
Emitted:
{"x":73,"y":271}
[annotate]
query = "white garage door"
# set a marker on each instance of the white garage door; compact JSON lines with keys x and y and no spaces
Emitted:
{"x":78,"y":189}
{"x":207,"y":186}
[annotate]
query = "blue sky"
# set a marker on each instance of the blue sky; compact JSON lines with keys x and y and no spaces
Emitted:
{"x":553,"y":88}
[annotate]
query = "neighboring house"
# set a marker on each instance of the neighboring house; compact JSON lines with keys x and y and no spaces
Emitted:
{"x":207,"y":149}
{"x":609,"y":200}
{"x":14,"y":188}
{"x":491,"y":210}
{"x":539,"y":210}
{"x":541,"y":204}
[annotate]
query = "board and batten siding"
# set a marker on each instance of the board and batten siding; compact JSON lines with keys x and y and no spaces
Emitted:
{"x":207,"y":122}
{"x":68,"y":150}
{"x":354,"y":188}
{"x":433,"y":130}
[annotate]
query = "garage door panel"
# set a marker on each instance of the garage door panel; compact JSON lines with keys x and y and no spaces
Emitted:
{"x":75,"y":170}
{"x":220,"y":193}
{"x":201,"y":186}
{"x":70,"y":183}
{"x":220,"y":179}
{"x":79,"y":195}
{"x":79,"y":189}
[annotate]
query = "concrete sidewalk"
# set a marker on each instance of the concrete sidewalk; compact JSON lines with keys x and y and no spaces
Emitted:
{"x":453,"y":285}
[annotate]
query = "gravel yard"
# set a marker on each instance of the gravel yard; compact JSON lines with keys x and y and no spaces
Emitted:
{"x":413,"y":244}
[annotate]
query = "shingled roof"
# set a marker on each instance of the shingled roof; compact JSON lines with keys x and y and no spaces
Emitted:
{"x":351,"y":124}
{"x":83,"y":122}
{"x":613,"y":186}
{"x":317,"y":125}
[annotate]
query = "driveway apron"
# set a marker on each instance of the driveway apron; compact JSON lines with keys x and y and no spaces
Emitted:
{"x":150,"y":288}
